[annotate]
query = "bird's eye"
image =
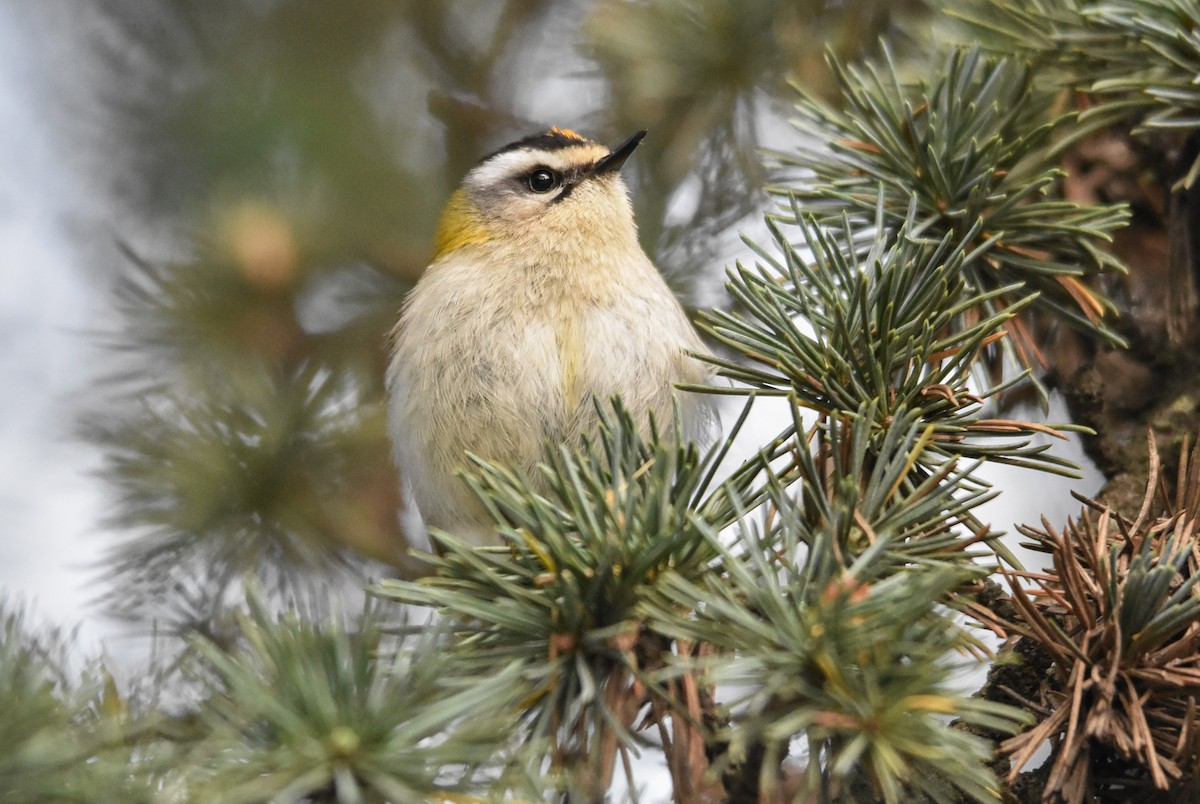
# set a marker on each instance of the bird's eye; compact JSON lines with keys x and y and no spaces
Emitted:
{"x":543,"y":180}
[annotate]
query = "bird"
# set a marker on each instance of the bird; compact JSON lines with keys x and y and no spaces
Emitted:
{"x":538,"y":302}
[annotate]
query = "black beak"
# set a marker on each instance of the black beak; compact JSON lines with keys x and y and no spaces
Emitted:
{"x":618,"y":155}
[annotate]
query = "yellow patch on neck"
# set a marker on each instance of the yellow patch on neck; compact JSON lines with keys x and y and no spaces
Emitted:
{"x":570,"y":356}
{"x":460,"y":225}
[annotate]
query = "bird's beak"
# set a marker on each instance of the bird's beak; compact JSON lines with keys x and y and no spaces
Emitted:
{"x":617,"y":156}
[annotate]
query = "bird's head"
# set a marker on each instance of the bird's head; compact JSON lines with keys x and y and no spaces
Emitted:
{"x":540,"y":189}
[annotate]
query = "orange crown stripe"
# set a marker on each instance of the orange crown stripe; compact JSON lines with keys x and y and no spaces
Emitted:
{"x":566,"y":132}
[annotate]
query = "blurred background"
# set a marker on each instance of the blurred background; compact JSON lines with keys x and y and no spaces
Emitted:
{"x":210,"y":211}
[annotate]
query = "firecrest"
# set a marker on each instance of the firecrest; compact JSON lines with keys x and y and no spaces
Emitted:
{"x":539,"y":300}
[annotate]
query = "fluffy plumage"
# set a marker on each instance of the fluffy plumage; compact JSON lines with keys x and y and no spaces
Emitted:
{"x":537,"y":302}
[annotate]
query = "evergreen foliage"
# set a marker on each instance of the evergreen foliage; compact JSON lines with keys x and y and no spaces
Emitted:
{"x":216,"y":486}
{"x":840,"y":331}
{"x":565,"y":599}
{"x":796,"y":627}
{"x":62,"y":737}
{"x":304,"y":710}
{"x":1119,"y":618}
{"x":1137,"y":60}
{"x":968,"y":148}
{"x":858,"y":670}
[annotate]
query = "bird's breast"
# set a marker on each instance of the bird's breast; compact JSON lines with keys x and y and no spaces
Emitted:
{"x":500,"y":367}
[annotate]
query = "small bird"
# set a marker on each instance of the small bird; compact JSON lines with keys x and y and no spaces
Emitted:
{"x":539,"y":301}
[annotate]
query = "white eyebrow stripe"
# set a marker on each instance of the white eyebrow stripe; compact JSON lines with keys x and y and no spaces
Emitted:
{"x":506,"y":165}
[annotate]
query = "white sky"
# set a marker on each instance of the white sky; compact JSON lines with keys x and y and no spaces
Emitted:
{"x":49,"y":503}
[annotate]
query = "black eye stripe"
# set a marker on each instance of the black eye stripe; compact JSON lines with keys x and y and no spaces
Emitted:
{"x":566,"y":191}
